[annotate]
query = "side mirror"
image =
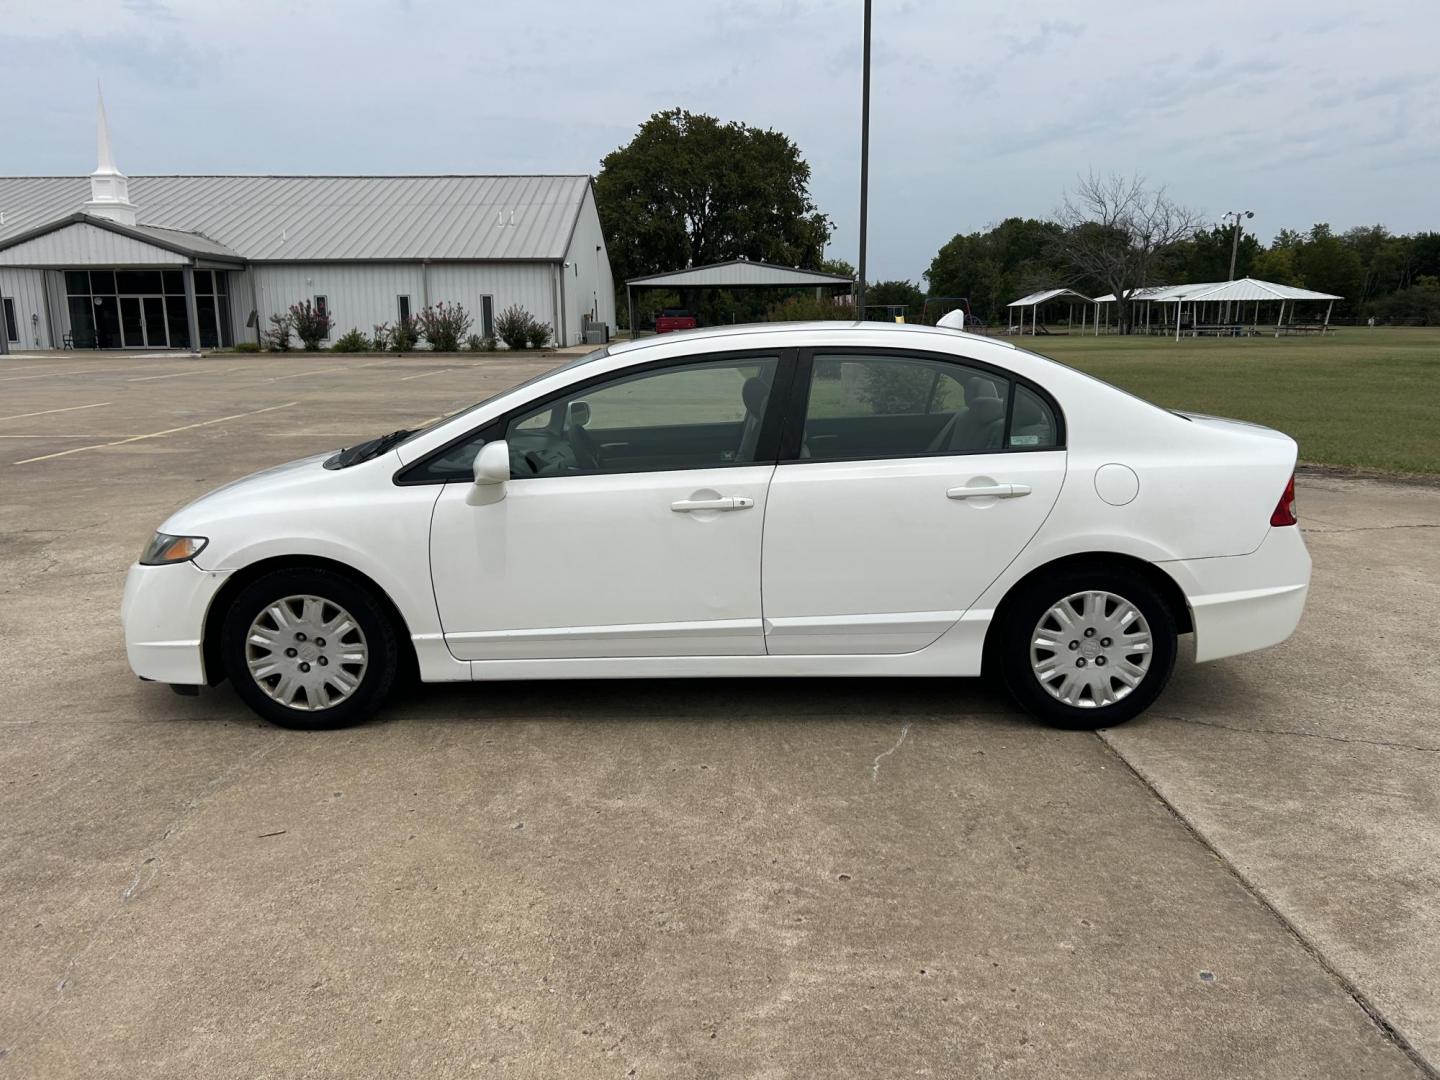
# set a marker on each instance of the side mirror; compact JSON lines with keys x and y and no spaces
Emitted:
{"x":577,"y":414}
{"x":492,"y":464}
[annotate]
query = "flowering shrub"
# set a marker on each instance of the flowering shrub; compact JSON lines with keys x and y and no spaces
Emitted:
{"x":519,"y":330}
{"x":311,"y":324}
{"x":512,"y":326}
{"x":277,"y":338}
{"x":401,"y":338}
{"x":443,"y":326}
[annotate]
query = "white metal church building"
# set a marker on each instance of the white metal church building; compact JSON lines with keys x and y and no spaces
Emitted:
{"x":117,"y":262}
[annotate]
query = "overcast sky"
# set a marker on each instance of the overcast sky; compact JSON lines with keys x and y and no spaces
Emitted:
{"x":1305,"y":111}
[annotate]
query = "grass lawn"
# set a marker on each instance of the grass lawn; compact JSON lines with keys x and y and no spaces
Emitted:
{"x":1360,"y":398}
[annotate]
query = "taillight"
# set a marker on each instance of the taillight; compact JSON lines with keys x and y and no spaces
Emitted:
{"x":1285,"y":509}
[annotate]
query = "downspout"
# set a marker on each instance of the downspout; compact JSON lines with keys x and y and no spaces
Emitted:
{"x":564,"y":337}
{"x":49,"y":311}
{"x":255,"y":303}
{"x":192,"y":316}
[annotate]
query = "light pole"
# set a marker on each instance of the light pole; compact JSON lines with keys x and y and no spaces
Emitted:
{"x":1235,"y":248}
{"x":864,"y":165}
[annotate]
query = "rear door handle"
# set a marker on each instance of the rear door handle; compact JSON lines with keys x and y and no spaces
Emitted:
{"x":989,"y":491}
{"x":724,"y":502}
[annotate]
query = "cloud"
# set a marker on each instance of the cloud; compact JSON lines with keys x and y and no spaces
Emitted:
{"x":1297,"y":107}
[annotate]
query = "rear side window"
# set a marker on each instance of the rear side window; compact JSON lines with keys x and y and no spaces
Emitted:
{"x":868,"y":406}
{"x":1032,"y":424}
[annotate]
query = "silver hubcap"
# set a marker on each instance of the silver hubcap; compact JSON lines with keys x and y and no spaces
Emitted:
{"x":1091,"y":649}
{"x":306,"y":652}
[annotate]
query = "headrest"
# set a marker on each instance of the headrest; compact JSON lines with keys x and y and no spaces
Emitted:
{"x":978,"y":386}
{"x":754,"y":393}
{"x":986,"y":410}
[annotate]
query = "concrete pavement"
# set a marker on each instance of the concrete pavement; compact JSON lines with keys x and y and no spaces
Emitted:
{"x":682,"y":879}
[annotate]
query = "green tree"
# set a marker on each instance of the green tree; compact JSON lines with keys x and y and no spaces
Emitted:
{"x":1206,"y":257}
{"x":994,"y":267}
{"x":1328,"y":264}
{"x":1276,"y":264}
{"x":1419,"y":305}
{"x":884,"y":294}
{"x":689,"y":190}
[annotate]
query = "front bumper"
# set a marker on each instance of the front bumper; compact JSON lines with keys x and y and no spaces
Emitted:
{"x":163,"y":612}
{"x":1241,"y":603}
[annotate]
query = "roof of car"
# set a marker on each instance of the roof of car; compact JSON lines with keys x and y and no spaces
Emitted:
{"x":803,"y":328}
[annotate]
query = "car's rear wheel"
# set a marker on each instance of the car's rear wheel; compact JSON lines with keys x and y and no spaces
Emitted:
{"x":1087,"y":648}
{"x":309,"y":649}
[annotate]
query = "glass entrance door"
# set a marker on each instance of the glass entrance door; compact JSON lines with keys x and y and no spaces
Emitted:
{"x":153,"y":307}
{"x":132,"y":323}
{"x":142,"y":322}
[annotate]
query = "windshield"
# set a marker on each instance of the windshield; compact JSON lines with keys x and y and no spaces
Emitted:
{"x":373,"y":448}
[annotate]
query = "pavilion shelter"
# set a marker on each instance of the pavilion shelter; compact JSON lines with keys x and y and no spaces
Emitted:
{"x":1050,"y":300}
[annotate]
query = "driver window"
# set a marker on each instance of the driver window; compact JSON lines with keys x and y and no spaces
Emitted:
{"x":694,"y":416}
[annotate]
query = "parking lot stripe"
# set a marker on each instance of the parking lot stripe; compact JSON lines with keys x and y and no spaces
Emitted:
{"x":423,"y":374}
{"x":50,"y":375}
{"x":302,"y":374}
{"x":170,"y":375}
{"x":47,"y":412}
{"x":156,"y":434}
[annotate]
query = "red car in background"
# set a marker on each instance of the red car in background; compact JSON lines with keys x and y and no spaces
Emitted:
{"x":674,"y":319}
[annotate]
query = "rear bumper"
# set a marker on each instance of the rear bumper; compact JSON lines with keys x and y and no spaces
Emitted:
{"x":1246,"y":602}
{"x":163,"y":612}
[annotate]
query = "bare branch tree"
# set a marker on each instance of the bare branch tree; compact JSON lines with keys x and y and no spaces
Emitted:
{"x":1113,"y":228}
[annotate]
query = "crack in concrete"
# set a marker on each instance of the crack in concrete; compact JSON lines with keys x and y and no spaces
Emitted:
{"x":1300,"y":734}
{"x":1351,"y":989}
{"x":145,"y":872}
{"x":875,"y":765}
{"x":1367,"y":528}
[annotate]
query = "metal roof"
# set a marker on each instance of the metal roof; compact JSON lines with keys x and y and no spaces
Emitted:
{"x":81,"y":239}
{"x":331,"y":218}
{"x":1243,"y":290}
{"x":740,"y":272}
{"x":1146,"y":292}
{"x":1046,"y":295}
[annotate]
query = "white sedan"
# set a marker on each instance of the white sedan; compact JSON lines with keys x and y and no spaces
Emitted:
{"x":815,"y":499}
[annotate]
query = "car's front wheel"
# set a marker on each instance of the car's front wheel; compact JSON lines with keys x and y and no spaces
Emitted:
{"x":309,"y":649}
{"x":1087,"y":648}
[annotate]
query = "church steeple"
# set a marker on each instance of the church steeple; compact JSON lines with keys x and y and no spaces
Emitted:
{"x":109,"y":187}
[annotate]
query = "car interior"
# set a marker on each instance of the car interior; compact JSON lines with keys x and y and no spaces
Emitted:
{"x":710,"y":415}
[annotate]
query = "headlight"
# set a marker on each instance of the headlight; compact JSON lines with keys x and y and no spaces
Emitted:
{"x":164,"y":548}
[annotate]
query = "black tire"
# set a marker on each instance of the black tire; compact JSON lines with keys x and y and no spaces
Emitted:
{"x":374,"y":679}
{"x":1022,"y":619}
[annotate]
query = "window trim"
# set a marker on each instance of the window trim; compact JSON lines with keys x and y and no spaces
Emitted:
{"x":11,"y":315}
{"x":322,"y":306}
{"x":804,"y":377}
{"x":408,"y":315}
{"x":777,"y":411}
{"x":487,"y":332}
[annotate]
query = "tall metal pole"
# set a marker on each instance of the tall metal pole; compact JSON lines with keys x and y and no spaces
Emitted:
{"x":864,"y":165}
{"x":1235,"y":248}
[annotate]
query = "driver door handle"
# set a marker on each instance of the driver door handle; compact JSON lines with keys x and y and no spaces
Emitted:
{"x":989,"y":491}
{"x":724,"y":502}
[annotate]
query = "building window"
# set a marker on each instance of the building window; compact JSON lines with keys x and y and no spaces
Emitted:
{"x":403,"y":303}
{"x":12,"y":328}
{"x":322,"y":309}
{"x":487,"y":316}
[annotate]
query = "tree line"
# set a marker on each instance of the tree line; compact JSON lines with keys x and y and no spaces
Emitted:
{"x":689,"y":189}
